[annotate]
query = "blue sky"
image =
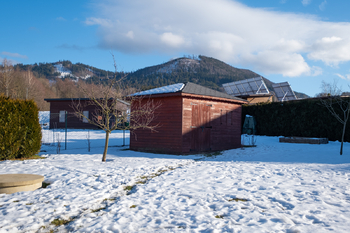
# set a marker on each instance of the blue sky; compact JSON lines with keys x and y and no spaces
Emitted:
{"x":303,"y":42}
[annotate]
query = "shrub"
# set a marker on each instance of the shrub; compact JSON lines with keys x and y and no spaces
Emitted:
{"x":303,"y":118}
{"x":20,"y":131}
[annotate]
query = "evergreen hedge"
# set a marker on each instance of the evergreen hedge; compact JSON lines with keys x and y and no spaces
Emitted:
{"x":302,"y":118}
{"x":20,"y":131}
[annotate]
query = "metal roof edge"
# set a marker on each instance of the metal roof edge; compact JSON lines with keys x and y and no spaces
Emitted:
{"x":73,"y":99}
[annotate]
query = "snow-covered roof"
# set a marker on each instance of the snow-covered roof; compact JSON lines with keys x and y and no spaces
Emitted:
{"x":189,"y":88}
{"x":161,"y":90}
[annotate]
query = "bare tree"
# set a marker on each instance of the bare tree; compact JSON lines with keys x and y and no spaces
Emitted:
{"x":329,"y":89}
{"x":6,"y":70}
{"x":23,"y":84}
{"x":337,"y":105}
{"x":113,"y":112}
{"x":29,"y":80}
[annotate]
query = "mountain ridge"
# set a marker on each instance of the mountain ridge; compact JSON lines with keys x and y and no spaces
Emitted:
{"x":206,"y":71}
{"x":202,"y":70}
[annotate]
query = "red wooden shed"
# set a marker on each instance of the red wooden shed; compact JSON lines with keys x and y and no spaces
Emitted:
{"x":191,"y":119}
{"x":59,"y":107}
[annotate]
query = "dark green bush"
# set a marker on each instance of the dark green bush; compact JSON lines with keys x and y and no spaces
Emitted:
{"x":303,"y":118}
{"x":20,"y":131}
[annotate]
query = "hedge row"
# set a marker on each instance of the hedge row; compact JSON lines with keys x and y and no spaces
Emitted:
{"x":303,"y":118}
{"x":20,"y":131}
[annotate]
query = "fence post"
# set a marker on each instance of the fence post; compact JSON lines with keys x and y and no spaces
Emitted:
{"x":124,"y":136}
{"x":65,"y":144}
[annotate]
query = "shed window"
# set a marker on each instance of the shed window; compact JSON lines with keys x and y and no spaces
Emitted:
{"x":86,"y":114}
{"x":62,"y":116}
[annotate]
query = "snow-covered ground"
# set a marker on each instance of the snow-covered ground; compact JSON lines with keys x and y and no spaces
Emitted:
{"x":44,"y":119}
{"x":274,"y":187}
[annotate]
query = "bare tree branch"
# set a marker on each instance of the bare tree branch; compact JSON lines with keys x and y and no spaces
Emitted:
{"x":6,"y":72}
{"x":113,"y":112}
{"x":337,"y":105}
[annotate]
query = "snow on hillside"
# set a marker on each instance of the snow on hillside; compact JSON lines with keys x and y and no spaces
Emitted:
{"x":62,"y":70}
{"x":274,"y":187}
{"x":85,"y":76}
{"x":65,"y":72}
{"x":187,"y":63}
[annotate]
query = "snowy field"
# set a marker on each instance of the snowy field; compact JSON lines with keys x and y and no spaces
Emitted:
{"x":44,"y":118}
{"x":274,"y":187}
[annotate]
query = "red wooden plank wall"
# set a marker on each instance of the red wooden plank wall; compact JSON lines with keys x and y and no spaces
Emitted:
{"x":72,"y":121}
{"x":167,"y":139}
{"x":223,"y":124}
{"x":191,"y":125}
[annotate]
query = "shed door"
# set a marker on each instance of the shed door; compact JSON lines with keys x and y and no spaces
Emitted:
{"x":201,"y":127}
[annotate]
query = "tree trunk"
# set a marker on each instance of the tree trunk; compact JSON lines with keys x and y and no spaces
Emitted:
{"x":342,"y":138}
{"x":106,"y":147}
{"x":346,"y":118}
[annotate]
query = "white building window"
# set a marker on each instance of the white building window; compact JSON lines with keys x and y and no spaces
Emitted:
{"x":86,"y":114}
{"x":62,"y":116}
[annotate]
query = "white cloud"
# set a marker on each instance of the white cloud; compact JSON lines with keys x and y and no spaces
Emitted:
{"x":288,"y":64}
{"x":172,"y":40}
{"x":306,"y":2}
{"x":61,"y":19}
{"x":98,"y":21}
{"x":130,"y":34}
{"x":322,"y":6}
{"x":289,"y":45}
{"x":345,"y":77}
{"x":71,"y":47}
{"x":316,"y":71}
{"x":331,"y":50}
{"x":17,"y":55}
{"x":273,"y":42}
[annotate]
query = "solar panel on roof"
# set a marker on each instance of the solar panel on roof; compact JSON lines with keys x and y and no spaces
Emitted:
{"x":246,"y":87}
{"x":283,"y":91}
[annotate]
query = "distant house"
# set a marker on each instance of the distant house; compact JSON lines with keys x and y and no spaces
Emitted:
{"x":191,"y":119}
{"x":259,"y":98}
{"x":59,"y":107}
{"x":255,"y":91}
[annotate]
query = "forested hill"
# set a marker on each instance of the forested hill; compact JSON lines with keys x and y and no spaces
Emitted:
{"x":65,"y":69}
{"x":60,"y":79}
{"x":205,"y":71}
{"x":202,"y":70}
